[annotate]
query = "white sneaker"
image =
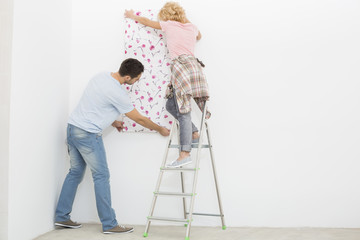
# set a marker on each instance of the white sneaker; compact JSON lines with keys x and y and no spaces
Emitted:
{"x":176,"y":163}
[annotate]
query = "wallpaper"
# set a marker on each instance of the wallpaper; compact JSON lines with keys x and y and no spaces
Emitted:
{"x":148,"y":45}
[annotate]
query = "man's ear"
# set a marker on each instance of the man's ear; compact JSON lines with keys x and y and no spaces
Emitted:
{"x":127,"y":78}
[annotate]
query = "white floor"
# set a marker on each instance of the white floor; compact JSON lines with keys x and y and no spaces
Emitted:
{"x":93,"y":231}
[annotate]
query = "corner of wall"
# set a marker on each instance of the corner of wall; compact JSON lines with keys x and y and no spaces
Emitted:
{"x":6,"y":19}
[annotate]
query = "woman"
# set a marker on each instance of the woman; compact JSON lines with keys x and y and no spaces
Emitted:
{"x":187,"y":78}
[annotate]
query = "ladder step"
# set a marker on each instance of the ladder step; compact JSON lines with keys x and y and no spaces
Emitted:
{"x":179,"y":169}
{"x":192,"y":145}
{"x":168,"y":219}
{"x":173,"y":194}
{"x":207,"y":214}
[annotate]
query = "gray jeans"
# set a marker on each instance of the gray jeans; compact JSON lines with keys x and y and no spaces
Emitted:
{"x":186,"y":126}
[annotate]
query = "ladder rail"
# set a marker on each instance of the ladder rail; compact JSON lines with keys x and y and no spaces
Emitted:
{"x":192,"y":201}
{"x":215,"y":176}
{"x":181,"y":173}
{"x":160,"y":177}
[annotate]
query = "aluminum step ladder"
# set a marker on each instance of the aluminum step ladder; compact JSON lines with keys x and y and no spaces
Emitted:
{"x":188,"y":215}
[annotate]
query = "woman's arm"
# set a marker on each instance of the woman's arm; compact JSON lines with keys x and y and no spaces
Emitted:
{"x":198,"y":37}
{"x":143,"y":20}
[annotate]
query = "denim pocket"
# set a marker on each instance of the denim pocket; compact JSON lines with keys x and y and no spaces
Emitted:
{"x":84,"y":141}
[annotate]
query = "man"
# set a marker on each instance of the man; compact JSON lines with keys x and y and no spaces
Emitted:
{"x":102,"y":102}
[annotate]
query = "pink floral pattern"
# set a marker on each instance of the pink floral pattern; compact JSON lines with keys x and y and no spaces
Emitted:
{"x":148,"y":45}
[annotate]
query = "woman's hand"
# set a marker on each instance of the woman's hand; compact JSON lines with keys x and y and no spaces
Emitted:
{"x":143,"y":20}
{"x":129,"y":14}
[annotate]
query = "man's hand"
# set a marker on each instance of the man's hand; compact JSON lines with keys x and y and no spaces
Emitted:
{"x":164,"y":132}
{"x":118,"y":125}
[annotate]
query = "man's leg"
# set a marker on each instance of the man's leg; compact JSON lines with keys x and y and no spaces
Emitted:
{"x":96,"y":161}
{"x":72,"y":180}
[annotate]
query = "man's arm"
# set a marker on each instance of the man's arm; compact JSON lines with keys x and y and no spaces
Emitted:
{"x":143,"y":20}
{"x":144,"y":121}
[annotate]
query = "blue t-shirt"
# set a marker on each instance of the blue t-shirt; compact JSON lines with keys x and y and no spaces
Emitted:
{"x":102,"y":102}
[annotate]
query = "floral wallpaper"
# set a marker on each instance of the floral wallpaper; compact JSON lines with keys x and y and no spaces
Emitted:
{"x":148,"y":45}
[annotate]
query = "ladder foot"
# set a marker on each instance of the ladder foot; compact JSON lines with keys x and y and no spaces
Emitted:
{"x":224,"y":227}
{"x":145,"y":234}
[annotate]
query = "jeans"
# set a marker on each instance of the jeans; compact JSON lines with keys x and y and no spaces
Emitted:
{"x":86,"y":148}
{"x":186,"y":126}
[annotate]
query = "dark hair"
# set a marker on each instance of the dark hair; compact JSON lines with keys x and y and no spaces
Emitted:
{"x":131,"y":67}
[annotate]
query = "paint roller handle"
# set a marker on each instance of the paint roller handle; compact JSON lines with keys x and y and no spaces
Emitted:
{"x":200,"y":62}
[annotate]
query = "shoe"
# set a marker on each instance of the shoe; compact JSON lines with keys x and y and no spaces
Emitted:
{"x":119,"y":229}
{"x":176,"y":163}
{"x":68,"y":224}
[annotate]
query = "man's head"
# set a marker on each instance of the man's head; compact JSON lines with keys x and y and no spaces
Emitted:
{"x":131,"y":70}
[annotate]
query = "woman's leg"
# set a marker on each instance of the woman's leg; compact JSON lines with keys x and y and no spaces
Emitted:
{"x":186,"y":127}
{"x":171,"y":107}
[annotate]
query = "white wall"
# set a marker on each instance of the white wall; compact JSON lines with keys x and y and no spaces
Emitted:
{"x":5,"y":75}
{"x":38,"y":113}
{"x":284,"y":82}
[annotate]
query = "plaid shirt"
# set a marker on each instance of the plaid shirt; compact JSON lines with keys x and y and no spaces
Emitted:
{"x":189,"y":82}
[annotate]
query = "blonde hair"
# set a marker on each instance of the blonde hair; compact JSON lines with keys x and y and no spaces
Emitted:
{"x":172,"y":11}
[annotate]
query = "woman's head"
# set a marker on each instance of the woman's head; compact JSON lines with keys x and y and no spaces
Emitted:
{"x":172,"y":11}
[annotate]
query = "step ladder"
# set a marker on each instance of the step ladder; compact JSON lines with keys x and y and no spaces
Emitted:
{"x":188,"y":215}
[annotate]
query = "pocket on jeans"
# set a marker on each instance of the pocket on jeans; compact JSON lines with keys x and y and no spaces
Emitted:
{"x":84,"y":143}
